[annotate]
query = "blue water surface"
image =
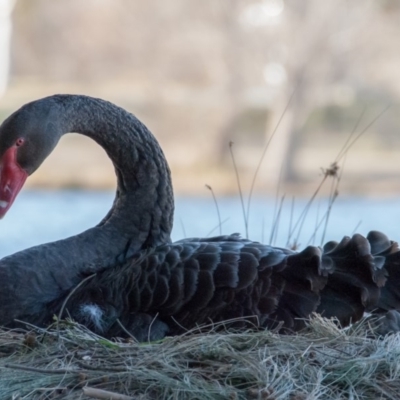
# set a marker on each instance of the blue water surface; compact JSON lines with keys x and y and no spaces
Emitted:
{"x":43,"y":216}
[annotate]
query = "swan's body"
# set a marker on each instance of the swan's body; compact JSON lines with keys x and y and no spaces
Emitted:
{"x":144,"y":282}
{"x":179,"y":286}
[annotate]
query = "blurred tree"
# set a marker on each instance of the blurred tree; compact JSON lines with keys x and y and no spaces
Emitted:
{"x":322,"y":53}
{"x":194,"y":71}
{"x":6,"y":7}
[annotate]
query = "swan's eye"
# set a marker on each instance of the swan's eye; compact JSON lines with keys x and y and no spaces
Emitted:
{"x":19,"y":142}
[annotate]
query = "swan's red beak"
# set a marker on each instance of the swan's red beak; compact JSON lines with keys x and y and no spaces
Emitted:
{"x":12,"y":178}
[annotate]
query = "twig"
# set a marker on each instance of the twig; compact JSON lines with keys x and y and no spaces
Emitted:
{"x":362,"y":132}
{"x":300,"y":221}
{"x":356,"y":227}
{"x":126,"y":330}
{"x":267,"y":145}
{"x":104,"y":394}
{"x":180,"y":326}
{"x":151,"y":325}
{"x":290,"y":231}
{"x":332,"y":198}
{"x":276,"y":217}
{"x":246,"y":222}
{"x":317,"y":225}
{"x":100,"y":368}
{"x":344,"y":147}
{"x":216,"y":227}
{"x":216,"y":206}
{"x":67,"y":298}
{"x":52,"y":389}
{"x":41,"y":370}
{"x":183,"y":228}
{"x":275,"y":225}
{"x":331,"y":171}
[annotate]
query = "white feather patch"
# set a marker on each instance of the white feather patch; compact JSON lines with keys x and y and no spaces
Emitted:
{"x":94,"y":314}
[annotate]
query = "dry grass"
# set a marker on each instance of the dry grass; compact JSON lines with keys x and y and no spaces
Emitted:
{"x":322,"y":362}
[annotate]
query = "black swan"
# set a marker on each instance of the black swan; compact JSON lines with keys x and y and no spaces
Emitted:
{"x":148,"y":286}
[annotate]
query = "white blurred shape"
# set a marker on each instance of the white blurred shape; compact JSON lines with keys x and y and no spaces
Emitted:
{"x":274,"y":74}
{"x":263,"y":13}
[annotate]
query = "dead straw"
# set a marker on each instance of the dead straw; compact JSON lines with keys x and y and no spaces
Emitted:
{"x":324,"y":361}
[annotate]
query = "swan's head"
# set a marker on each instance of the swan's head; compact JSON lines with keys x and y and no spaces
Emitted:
{"x":27,"y":137}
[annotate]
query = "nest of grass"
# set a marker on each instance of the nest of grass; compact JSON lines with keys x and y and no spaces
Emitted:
{"x":326,"y":362}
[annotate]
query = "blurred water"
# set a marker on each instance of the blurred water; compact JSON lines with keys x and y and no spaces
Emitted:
{"x":42,"y":216}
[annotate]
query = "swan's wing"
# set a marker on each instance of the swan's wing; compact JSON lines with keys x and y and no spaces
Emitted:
{"x":387,"y":257}
{"x":192,"y":283}
{"x":355,"y":282}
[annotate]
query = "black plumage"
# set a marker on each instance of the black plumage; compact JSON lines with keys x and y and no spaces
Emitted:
{"x":197,"y":282}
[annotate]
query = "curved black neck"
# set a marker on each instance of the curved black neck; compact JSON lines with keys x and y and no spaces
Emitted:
{"x":142,"y":212}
